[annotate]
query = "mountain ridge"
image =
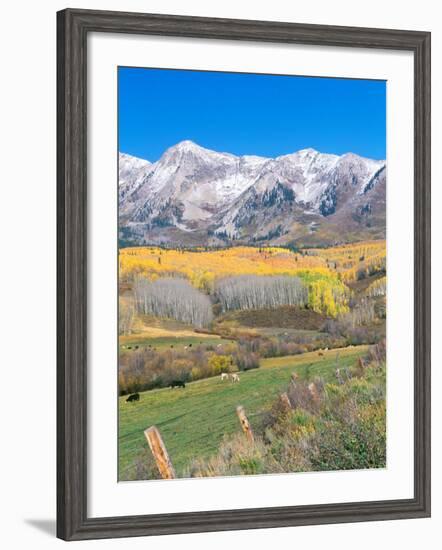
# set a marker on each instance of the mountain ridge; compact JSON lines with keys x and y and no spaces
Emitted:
{"x":193,"y":196}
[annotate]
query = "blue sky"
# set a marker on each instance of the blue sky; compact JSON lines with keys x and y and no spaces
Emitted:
{"x":249,"y":114}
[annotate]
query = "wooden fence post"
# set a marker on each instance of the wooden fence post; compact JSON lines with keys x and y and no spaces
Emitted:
{"x":339,"y":376}
{"x":245,"y":424}
{"x":160,"y":453}
{"x":285,"y":400}
{"x":313,"y":390}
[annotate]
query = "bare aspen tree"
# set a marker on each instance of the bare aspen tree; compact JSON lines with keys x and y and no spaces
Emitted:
{"x":257,"y":292}
{"x":173,"y":298}
{"x":126,"y":315}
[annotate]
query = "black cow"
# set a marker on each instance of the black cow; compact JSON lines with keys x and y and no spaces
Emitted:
{"x":133,"y":397}
{"x":177,"y":384}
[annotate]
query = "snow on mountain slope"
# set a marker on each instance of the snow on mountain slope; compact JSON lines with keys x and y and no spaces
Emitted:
{"x":131,"y":173}
{"x":198,"y":180}
{"x":203,"y":192}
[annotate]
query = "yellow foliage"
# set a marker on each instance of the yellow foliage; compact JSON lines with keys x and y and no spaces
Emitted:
{"x":323,"y":270}
{"x":220,"y":363}
{"x":202,"y":267}
{"x":323,"y":298}
{"x":349,"y":260}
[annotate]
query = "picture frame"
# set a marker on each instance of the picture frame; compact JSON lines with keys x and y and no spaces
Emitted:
{"x":73,"y":28}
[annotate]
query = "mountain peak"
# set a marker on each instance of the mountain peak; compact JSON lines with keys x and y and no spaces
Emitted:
{"x":307,"y":151}
{"x":126,"y":157}
{"x":188,"y":145}
{"x":301,"y":155}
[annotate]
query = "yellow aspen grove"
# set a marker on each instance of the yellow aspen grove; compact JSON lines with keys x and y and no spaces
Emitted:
{"x":324,"y":272}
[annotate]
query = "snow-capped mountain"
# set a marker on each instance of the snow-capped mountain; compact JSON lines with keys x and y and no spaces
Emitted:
{"x":193,"y":195}
{"x":131,"y":173}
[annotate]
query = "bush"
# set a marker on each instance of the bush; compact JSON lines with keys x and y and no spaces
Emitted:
{"x":144,"y":466}
{"x":246,"y":360}
{"x":220,"y":363}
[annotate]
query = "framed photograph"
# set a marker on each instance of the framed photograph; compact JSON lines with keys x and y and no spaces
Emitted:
{"x":243,"y":274}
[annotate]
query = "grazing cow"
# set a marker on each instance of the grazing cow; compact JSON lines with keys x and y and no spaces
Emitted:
{"x":224,"y":376}
{"x":177,"y":384}
{"x":129,"y":347}
{"x":235,"y":377}
{"x":320,"y":353}
{"x":136,"y":347}
{"x":133,"y":397}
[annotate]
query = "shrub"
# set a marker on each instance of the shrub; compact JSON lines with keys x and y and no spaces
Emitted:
{"x":236,"y":456}
{"x":220,"y":363}
{"x":144,"y":466}
{"x":246,"y":360}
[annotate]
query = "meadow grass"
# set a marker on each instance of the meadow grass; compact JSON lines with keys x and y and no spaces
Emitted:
{"x":194,"y":420}
{"x":178,"y":342}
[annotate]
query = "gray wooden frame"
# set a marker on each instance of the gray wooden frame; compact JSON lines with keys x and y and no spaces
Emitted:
{"x":73,"y":27}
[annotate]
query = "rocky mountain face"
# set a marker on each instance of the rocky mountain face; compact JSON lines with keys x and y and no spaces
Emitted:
{"x":193,"y":196}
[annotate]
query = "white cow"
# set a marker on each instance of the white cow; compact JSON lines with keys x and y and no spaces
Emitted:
{"x":234,"y":377}
{"x":224,"y":376}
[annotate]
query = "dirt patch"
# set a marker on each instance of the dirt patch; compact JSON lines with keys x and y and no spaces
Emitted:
{"x":281,"y":317}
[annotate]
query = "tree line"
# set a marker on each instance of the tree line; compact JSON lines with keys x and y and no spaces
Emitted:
{"x":173,"y":298}
{"x":257,"y":292}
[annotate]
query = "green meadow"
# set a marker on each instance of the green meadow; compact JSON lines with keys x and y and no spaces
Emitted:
{"x":194,"y":420}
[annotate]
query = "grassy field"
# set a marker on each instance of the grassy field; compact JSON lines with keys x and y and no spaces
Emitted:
{"x":164,"y":333}
{"x":162,"y":342}
{"x":194,"y":420}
